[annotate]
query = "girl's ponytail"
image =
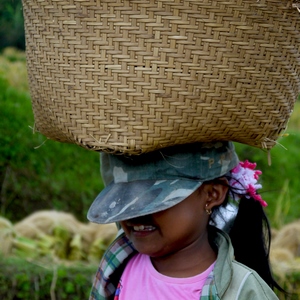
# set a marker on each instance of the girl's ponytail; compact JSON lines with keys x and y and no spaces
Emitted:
{"x":251,"y":237}
{"x":249,"y":230}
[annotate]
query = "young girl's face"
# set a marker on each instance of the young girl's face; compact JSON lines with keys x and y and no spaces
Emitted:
{"x":176,"y":229}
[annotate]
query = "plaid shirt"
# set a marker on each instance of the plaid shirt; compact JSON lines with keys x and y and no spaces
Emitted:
{"x":116,"y":256}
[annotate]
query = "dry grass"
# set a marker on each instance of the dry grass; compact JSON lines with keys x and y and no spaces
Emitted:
{"x":58,"y":235}
{"x":285,"y":257}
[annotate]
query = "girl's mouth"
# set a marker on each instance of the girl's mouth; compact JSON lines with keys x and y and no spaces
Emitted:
{"x":143,"y":228}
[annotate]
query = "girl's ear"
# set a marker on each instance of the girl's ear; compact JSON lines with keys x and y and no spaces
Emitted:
{"x":216,"y":192}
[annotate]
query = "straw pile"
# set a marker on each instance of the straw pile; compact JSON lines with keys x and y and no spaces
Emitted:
{"x":57,"y":235}
{"x":6,"y":236}
{"x":285,"y":255}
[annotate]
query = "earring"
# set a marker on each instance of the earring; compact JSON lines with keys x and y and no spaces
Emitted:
{"x":208,"y":210}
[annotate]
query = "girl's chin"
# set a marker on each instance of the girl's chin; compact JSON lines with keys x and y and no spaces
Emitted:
{"x":146,"y":245}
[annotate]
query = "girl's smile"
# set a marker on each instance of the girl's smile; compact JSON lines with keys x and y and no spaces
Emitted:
{"x":143,"y":228}
{"x":140,"y":227}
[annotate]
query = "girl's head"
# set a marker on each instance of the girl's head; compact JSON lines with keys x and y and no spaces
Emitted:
{"x":141,"y":185}
{"x":175,"y":189}
{"x":182,"y":227}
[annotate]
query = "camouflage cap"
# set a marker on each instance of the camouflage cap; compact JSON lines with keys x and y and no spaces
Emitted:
{"x":155,"y":181}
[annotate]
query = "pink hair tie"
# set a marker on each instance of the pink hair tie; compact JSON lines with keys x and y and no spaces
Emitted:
{"x":244,"y":179}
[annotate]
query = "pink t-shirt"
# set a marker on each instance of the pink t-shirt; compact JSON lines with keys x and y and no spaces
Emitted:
{"x":141,"y":281}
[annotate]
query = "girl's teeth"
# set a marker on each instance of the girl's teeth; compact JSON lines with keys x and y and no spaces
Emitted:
{"x":143,"y":228}
{"x":137,"y":228}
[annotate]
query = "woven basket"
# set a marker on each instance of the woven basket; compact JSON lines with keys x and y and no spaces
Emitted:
{"x":132,"y":76}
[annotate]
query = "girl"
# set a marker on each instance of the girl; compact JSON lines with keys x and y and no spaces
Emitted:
{"x":169,"y":246}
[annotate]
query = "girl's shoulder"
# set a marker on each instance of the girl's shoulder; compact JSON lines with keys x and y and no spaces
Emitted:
{"x":247,"y":284}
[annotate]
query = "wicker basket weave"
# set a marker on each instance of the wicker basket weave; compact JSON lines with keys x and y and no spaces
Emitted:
{"x":132,"y":76}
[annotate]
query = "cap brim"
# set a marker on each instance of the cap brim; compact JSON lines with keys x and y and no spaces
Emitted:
{"x":127,"y":200}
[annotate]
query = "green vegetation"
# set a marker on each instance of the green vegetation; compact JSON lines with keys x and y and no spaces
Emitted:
{"x":11,"y":24}
{"x":21,"y":279}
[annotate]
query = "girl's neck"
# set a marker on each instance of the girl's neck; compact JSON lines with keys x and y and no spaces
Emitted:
{"x":187,"y":262}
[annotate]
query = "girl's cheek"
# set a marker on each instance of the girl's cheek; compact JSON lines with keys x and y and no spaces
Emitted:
{"x":124,"y":227}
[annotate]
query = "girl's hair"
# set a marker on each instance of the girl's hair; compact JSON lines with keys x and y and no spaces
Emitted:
{"x":250,"y":235}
